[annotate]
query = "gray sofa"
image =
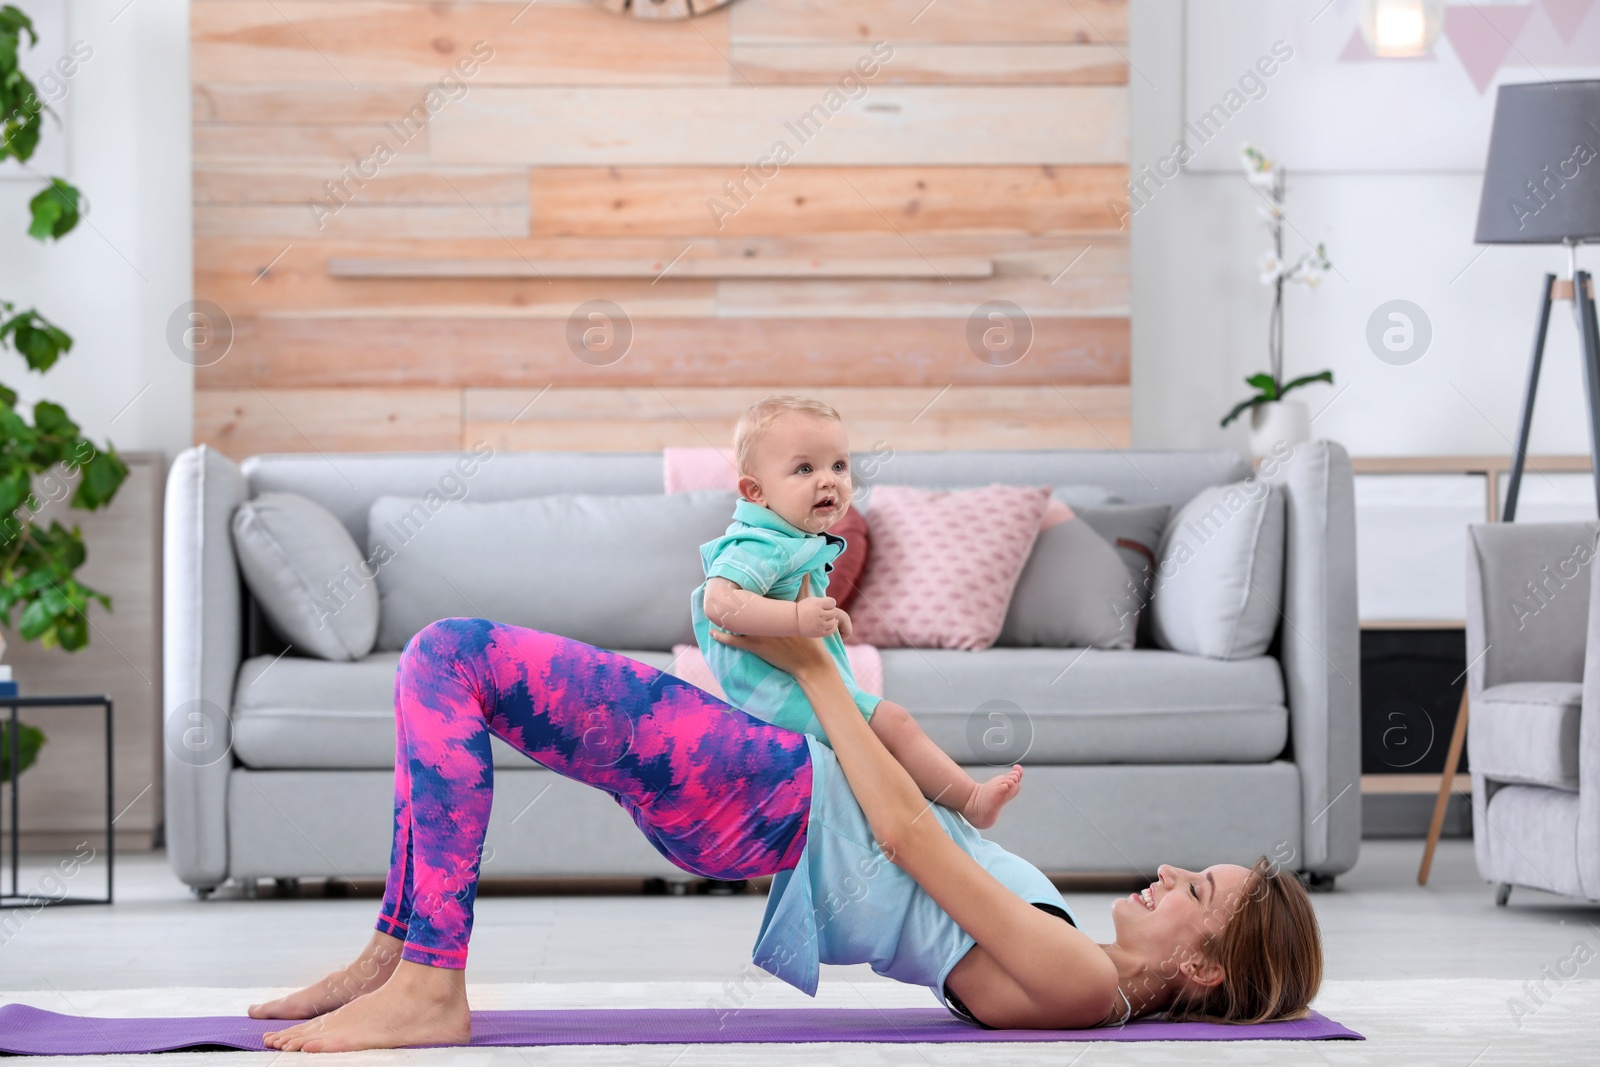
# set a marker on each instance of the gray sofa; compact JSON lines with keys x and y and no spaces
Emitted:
{"x":280,"y":766}
{"x":1533,"y":730}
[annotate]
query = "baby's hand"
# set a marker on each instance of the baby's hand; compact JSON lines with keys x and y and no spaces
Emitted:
{"x":846,"y":627}
{"x":818,"y":616}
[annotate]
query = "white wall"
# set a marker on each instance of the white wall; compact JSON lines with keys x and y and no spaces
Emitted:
{"x":114,"y":282}
{"x":1200,"y":315}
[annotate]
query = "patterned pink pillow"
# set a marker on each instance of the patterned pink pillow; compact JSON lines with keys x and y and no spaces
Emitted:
{"x":944,"y":564}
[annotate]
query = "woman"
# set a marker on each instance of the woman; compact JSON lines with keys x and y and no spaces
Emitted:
{"x":863,"y":872}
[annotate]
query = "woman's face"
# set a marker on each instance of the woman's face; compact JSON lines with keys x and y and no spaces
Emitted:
{"x":1166,"y":924}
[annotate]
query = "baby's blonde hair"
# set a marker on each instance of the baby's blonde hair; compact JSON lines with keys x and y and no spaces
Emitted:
{"x":760,"y":416}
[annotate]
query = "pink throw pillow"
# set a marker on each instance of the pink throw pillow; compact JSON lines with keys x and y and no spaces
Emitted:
{"x":689,"y":664}
{"x":684,"y":469}
{"x":944,"y":564}
{"x":1056,"y":513}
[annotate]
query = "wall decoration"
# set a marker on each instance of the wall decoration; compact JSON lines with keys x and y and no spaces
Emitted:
{"x":1331,"y":105}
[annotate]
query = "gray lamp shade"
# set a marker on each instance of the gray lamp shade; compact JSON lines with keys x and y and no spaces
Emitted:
{"x":1541,"y":184}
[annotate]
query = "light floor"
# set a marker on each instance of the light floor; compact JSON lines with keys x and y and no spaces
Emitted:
{"x":1428,"y":973}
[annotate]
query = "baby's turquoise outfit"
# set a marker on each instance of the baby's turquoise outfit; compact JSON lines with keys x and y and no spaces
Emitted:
{"x":763,"y":554}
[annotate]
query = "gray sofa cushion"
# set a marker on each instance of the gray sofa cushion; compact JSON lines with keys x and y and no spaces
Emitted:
{"x":614,"y":571}
{"x":1084,"y":496}
{"x":1219,"y":573}
{"x":1135,"y":706}
{"x":1527,"y":732}
{"x":296,"y":712}
{"x":304,"y":569}
{"x":1091,"y":705}
{"x":1073,"y":592}
{"x":1135,"y":530}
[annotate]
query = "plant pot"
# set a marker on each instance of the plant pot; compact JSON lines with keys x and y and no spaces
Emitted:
{"x":1285,"y":421}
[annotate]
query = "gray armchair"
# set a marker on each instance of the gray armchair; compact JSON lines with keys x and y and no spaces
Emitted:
{"x":1533,"y":735}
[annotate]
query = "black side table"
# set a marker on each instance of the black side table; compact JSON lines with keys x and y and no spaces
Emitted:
{"x":14,"y":898}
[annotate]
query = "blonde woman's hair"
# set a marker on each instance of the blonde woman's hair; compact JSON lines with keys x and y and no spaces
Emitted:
{"x":1270,"y":952}
{"x":760,"y":416}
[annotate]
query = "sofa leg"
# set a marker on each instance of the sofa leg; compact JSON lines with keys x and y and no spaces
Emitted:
{"x":286,"y":887}
{"x":251,"y":890}
{"x":1502,"y":893}
{"x":678,"y":887}
{"x":202,"y":892}
{"x":1317,"y":883}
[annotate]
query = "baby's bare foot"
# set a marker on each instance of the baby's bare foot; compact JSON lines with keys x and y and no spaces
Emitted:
{"x":983,"y":810}
{"x":419,"y":1005}
{"x":370,"y":970}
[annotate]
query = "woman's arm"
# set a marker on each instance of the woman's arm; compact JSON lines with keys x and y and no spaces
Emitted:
{"x":886,"y":793}
{"x":1062,"y":978}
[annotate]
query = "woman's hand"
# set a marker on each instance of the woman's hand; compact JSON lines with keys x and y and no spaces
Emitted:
{"x":796,"y":655}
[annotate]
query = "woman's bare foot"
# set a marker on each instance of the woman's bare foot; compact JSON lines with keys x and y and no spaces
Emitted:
{"x":418,"y":1005}
{"x":983,"y":810}
{"x":370,"y":970}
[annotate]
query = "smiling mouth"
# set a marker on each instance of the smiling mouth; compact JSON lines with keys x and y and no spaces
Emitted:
{"x":1144,"y":898}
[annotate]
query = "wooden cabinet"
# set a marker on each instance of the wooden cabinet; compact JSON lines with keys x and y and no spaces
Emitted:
{"x":1412,"y":514}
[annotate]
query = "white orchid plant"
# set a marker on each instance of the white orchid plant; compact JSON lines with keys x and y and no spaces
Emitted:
{"x":1268,"y":179}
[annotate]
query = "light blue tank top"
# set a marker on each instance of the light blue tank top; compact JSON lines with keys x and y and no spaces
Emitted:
{"x":845,"y":902}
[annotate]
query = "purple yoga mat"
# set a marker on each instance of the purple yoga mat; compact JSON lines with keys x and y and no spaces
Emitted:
{"x":32,"y":1031}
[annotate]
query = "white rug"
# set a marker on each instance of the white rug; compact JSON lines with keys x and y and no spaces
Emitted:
{"x":1448,"y":1023}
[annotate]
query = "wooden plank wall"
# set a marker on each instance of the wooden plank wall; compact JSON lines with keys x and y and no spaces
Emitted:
{"x":403,"y":205}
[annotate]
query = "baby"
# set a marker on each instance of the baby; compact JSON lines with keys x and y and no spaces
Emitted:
{"x":794,"y":477}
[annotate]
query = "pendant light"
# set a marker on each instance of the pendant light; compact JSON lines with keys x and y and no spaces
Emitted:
{"x":1399,"y":29}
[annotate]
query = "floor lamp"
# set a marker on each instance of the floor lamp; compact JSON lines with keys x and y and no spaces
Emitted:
{"x":1541,"y":185}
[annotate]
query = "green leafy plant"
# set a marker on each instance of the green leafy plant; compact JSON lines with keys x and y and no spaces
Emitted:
{"x":1270,"y":387}
{"x":38,"y":564}
{"x":29,"y":740}
{"x":1269,"y":390}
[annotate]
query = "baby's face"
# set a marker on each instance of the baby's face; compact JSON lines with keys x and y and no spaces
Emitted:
{"x":801,"y":471}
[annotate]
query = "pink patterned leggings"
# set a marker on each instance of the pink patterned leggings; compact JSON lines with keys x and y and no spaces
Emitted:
{"x":718,"y":792}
